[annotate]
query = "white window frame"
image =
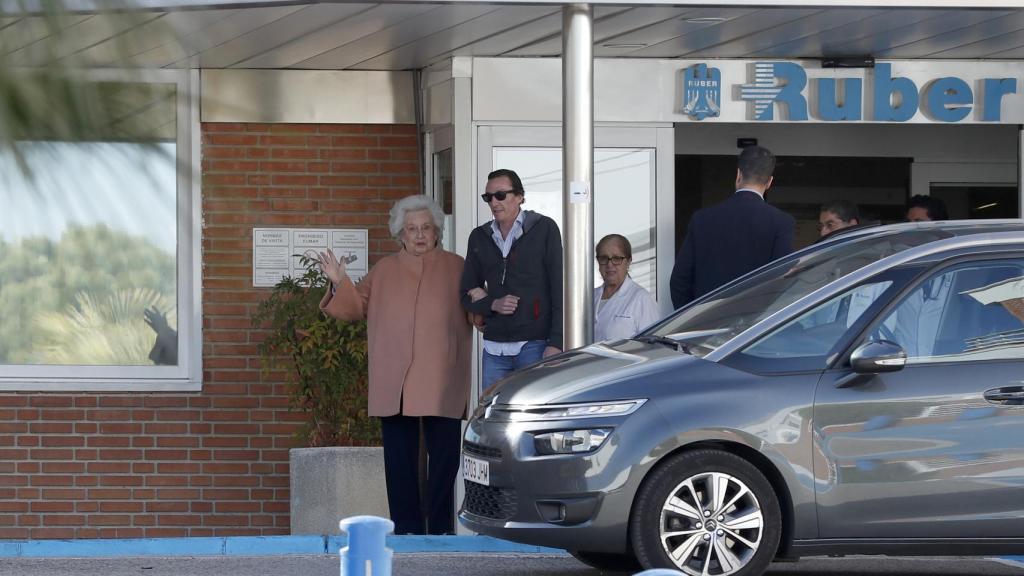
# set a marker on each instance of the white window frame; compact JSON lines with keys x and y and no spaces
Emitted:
{"x":187,"y":375}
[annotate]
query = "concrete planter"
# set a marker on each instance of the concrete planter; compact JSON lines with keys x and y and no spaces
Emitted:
{"x":328,"y":484}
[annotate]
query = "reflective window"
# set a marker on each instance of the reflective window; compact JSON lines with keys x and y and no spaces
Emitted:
{"x":971,"y":312}
{"x":810,"y":341}
{"x":722,"y":315}
{"x":92,"y":252}
{"x":817,"y":331}
{"x":624,"y":192}
{"x":87,"y":255}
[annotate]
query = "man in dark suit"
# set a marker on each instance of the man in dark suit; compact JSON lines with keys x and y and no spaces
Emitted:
{"x":733,"y":237}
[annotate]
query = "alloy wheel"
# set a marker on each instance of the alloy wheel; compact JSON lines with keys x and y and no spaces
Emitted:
{"x":711,"y":524}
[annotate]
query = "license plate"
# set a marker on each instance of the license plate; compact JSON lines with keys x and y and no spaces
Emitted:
{"x":475,"y":470}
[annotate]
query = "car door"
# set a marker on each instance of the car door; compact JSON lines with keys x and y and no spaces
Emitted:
{"x":789,"y":362}
{"x":935,"y":450}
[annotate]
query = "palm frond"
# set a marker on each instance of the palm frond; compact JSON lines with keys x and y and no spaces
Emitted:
{"x":107,"y":330}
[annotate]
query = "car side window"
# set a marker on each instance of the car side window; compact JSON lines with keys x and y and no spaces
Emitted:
{"x":806,"y":342}
{"x":972,"y":311}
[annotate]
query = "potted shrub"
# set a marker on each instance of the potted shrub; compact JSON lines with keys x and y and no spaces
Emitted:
{"x":338,"y":471}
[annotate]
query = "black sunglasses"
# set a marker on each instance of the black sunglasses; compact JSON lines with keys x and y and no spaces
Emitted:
{"x":500,"y":195}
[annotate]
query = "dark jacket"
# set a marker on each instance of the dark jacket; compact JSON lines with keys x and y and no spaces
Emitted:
{"x":532,"y":271}
{"x":727,"y":240}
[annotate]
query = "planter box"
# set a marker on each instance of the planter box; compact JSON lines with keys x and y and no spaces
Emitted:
{"x":328,"y":484}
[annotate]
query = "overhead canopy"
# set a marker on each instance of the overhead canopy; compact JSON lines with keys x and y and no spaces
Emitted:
{"x":413,"y":35}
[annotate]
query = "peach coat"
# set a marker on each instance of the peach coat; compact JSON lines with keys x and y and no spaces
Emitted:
{"x":419,"y":337}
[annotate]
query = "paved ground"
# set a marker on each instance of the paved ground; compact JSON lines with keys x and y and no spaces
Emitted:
{"x":465,"y":565}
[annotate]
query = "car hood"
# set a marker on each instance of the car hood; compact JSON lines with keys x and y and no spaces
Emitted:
{"x":584,"y":374}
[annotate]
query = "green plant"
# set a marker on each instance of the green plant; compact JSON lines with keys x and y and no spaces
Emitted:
{"x":325,"y":361}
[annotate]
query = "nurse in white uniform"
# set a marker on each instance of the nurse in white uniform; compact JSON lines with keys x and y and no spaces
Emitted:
{"x":621,"y":306}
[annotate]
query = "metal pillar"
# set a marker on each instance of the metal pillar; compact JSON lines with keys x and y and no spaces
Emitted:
{"x":578,"y":172}
{"x":1020,"y":171}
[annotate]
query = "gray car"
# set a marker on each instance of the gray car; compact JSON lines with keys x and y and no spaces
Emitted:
{"x":862,"y":396}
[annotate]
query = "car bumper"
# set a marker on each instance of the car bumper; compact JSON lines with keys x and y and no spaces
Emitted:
{"x":572,"y":501}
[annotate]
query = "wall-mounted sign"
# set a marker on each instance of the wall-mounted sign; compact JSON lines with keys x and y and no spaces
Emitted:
{"x":741,"y":91}
{"x":797,"y":92}
{"x":277,"y":252}
{"x":703,"y":92}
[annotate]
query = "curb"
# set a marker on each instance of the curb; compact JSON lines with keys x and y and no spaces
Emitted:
{"x":1017,"y":561}
{"x":253,"y":546}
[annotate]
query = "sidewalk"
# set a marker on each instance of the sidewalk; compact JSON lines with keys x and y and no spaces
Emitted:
{"x":465,"y":564}
{"x":254,"y":546}
{"x":413,"y":556}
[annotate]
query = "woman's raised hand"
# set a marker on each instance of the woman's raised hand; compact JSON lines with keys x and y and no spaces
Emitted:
{"x":333,"y":268}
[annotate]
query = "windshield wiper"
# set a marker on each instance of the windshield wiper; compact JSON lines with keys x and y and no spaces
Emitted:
{"x":666,"y":341}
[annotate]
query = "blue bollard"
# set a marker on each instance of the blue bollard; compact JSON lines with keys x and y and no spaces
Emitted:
{"x":658,"y":572}
{"x":366,"y":554}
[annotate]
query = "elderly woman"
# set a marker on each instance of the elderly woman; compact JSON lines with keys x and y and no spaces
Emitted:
{"x":621,"y":306}
{"x":419,"y":356}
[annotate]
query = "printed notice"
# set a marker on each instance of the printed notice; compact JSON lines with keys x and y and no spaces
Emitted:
{"x":277,"y":252}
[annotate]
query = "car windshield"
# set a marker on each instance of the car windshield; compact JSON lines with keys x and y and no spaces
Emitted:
{"x":726,"y":313}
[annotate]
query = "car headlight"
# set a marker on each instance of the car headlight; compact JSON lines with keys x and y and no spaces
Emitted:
{"x":540,"y":412}
{"x":570,"y":441}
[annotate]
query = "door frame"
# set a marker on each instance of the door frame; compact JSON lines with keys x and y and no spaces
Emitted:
{"x":659,"y":136}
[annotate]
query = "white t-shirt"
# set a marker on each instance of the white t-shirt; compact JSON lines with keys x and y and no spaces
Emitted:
{"x":630,"y":309}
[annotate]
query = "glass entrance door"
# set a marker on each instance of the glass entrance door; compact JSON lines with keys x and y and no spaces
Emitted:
{"x":629,"y":164}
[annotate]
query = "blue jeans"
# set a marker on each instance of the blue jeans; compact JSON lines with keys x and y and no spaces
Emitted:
{"x":497,"y":367}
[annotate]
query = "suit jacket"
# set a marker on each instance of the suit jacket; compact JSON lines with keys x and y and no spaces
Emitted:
{"x":419,"y":339}
{"x":727,"y":240}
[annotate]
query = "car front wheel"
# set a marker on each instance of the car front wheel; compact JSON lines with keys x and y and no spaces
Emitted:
{"x":706,"y":513}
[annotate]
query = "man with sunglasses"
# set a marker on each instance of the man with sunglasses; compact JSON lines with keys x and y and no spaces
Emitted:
{"x":512,"y":280}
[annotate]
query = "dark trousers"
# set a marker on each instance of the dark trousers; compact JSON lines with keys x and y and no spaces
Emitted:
{"x":401,"y":436}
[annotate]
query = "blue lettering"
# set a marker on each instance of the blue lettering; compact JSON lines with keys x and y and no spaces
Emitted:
{"x":885,"y":85}
{"x":893,"y":99}
{"x":946,"y":99}
{"x":994,"y":90}
{"x":776,"y":82}
{"x":792,"y":91}
{"x":828,"y":105}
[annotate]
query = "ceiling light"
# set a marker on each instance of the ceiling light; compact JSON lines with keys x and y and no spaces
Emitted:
{"x":705,"y":20}
{"x":623,"y":45}
{"x":983,"y":206}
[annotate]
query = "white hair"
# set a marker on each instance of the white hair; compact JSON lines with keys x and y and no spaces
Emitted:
{"x":415,"y":203}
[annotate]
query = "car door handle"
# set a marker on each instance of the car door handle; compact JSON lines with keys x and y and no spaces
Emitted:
{"x":1006,"y":395}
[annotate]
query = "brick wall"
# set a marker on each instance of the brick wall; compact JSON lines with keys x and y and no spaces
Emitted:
{"x":213,"y":463}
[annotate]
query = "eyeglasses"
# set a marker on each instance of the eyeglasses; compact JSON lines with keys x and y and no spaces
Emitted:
{"x":413,"y":231}
{"x":830,"y":225}
{"x":605,"y":260}
{"x":500,"y":195}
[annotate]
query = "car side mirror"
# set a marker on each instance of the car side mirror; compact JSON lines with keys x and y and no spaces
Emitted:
{"x":873,"y":358}
{"x":878,"y":357}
